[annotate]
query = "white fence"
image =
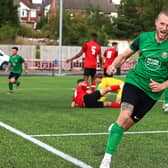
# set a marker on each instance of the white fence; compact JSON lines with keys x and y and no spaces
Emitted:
{"x":52,"y":52}
{"x":27,"y":51}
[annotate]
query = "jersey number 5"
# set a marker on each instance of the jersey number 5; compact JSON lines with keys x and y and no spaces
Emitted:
{"x":93,"y":50}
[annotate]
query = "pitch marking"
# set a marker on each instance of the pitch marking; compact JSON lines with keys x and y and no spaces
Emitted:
{"x":95,"y":133}
{"x":46,"y":146}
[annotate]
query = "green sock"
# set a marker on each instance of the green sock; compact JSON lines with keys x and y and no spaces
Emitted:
{"x":16,"y":82}
{"x":166,"y":96}
{"x":114,"y":138}
{"x":10,"y":87}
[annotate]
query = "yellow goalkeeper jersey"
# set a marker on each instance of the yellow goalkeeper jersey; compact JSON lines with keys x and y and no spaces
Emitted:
{"x":109,"y":81}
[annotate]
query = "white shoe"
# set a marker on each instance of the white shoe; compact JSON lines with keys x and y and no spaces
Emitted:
{"x":166,"y":108}
{"x":109,"y":128}
{"x":105,"y":163}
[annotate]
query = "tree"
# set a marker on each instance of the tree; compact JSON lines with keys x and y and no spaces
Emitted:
{"x":150,"y":10}
{"x":8,"y":13}
{"x":77,"y":28}
{"x":128,"y":24}
{"x":9,"y":22}
{"x":74,"y":30}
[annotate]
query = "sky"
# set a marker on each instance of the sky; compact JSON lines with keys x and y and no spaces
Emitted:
{"x":117,"y":1}
{"x":39,"y":1}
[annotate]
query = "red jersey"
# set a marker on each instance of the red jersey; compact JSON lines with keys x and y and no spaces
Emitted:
{"x":78,"y":95}
{"x":91,"y":49}
{"x":110,"y":54}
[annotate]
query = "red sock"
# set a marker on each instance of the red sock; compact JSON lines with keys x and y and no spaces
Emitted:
{"x":115,"y":87}
{"x":115,"y":105}
{"x":93,"y":86}
{"x":87,"y":85}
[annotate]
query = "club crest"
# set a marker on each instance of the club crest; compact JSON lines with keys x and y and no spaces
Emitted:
{"x":164,"y":54}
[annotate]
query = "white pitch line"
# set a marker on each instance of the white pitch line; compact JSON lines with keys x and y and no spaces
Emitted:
{"x":70,"y":134}
{"x":95,"y":133}
{"x":46,"y":146}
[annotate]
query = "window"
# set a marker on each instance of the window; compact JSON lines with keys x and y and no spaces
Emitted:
{"x":110,"y":1}
{"x":33,"y":13}
{"x":23,"y":13}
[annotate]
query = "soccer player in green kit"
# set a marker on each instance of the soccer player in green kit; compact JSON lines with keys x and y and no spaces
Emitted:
{"x":144,"y":84}
{"x":17,"y":65}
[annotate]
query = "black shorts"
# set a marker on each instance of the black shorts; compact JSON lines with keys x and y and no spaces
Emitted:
{"x":90,"y":100}
{"x":105,"y":73}
{"x":140,"y":100}
{"x":89,"y":71}
{"x":14,"y":75}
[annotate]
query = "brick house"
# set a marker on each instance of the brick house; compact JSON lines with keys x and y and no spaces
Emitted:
{"x":27,"y":12}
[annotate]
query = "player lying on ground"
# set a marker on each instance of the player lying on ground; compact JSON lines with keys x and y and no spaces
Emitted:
{"x":103,"y":82}
{"x":17,"y":65}
{"x":82,"y":97}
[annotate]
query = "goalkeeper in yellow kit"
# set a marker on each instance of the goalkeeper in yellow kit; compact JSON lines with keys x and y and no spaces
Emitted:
{"x":103,"y":82}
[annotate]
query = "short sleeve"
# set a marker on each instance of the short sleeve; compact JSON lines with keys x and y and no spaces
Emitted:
{"x":84,"y":47}
{"x":21,"y":60}
{"x":135,"y":44}
{"x":105,"y":53}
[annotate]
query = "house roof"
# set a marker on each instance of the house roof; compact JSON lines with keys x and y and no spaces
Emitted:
{"x":103,"y":5}
{"x":28,"y":4}
{"x":45,"y":3}
{"x":107,"y":6}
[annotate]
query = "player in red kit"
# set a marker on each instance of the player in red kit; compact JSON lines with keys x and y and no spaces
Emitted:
{"x":82,"y":97}
{"x":91,"y":50}
{"x":109,"y":56}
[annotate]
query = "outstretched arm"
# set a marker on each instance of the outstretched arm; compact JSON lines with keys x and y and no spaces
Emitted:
{"x":76,"y":56}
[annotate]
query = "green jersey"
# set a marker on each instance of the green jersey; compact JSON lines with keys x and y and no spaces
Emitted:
{"x":16,"y":63}
{"x":152,"y":63}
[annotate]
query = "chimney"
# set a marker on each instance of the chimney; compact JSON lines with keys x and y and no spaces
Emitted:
{"x":54,"y":7}
{"x":16,"y":2}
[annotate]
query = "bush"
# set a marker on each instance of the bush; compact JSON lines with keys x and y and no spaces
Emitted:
{"x":8,"y":33}
{"x":26,"y":31}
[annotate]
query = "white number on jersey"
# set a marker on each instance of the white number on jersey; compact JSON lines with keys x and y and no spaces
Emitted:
{"x":109,"y":53}
{"x":93,"y":50}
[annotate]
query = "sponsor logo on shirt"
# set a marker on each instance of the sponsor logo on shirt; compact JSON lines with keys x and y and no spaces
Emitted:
{"x":152,"y":62}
